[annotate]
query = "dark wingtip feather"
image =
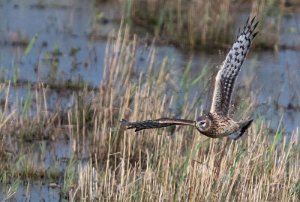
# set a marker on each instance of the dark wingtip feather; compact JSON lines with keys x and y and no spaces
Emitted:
{"x":124,"y":122}
{"x":252,"y":20}
{"x":255,"y":34}
{"x":239,"y":33}
{"x":255,"y":25}
{"x":251,"y":26}
{"x":247,"y":20}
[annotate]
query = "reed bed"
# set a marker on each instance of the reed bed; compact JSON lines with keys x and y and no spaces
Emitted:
{"x":203,"y":24}
{"x":178,"y":164}
{"x":186,"y":24}
{"x":109,"y":163}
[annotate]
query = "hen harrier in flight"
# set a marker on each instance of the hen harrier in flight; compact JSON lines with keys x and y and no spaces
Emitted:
{"x":216,"y":123}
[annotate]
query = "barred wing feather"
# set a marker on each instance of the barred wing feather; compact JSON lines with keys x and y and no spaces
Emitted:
{"x":227,"y":74}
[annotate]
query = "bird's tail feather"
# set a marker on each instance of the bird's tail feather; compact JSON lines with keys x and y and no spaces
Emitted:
{"x":243,"y":127}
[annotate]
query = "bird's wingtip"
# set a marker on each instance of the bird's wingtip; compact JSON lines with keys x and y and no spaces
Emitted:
{"x":124,"y":121}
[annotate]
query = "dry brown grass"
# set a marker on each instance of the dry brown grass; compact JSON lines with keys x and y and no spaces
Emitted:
{"x":155,"y":165}
{"x":203,"y":24}
{"x":184,"y":23}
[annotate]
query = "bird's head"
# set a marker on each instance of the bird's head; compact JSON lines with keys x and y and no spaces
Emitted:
{"x":203,"y":123}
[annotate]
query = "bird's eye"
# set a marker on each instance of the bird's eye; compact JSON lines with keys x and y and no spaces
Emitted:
{"x":202,"y":123}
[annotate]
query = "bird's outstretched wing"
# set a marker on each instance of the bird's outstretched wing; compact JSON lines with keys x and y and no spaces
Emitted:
{"x":227,"y":74}
{"x":158,"y":123}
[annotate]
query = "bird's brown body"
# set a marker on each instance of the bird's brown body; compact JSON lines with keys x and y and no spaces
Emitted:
{"x":220,"y":126}
{"x":216,"y":123}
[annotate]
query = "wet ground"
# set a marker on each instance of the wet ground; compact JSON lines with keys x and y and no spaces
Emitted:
{"x":64,"y":51}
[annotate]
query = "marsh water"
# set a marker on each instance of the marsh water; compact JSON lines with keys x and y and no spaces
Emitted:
{"x":63,"y":31}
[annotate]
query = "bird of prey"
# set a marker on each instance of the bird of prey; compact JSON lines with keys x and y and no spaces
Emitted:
{"x":216,"y":122}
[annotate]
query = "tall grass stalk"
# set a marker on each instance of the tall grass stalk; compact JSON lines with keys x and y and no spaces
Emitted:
{"x":152,"y":165}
